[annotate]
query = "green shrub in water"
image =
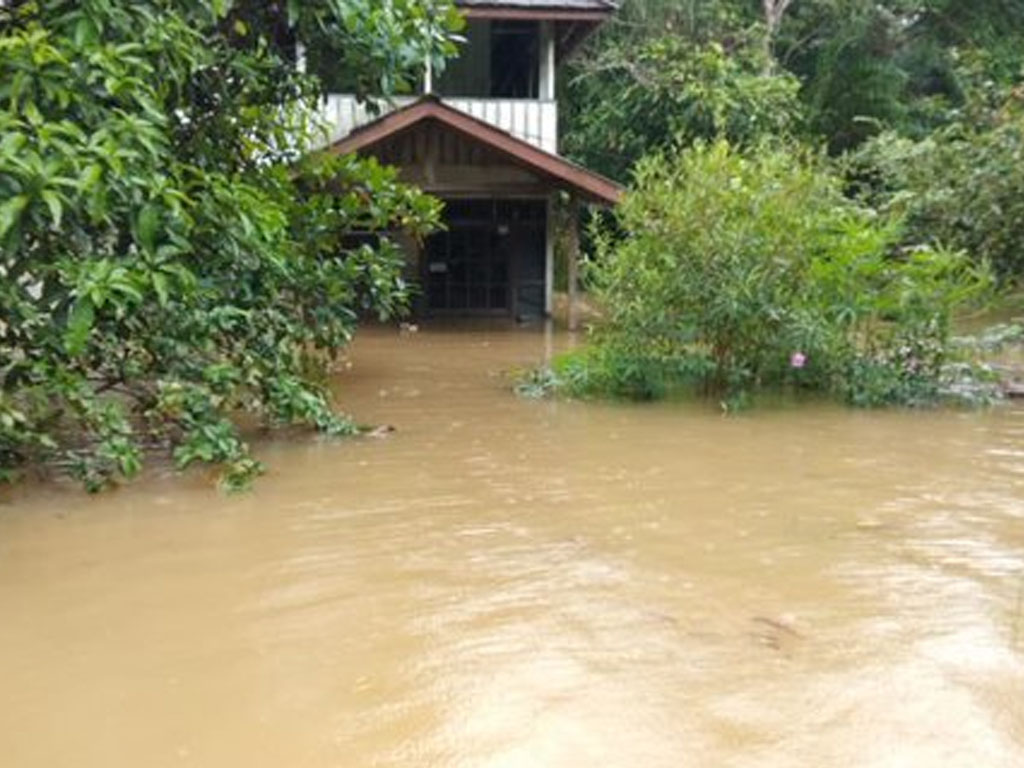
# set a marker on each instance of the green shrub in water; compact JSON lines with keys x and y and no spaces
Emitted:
{"x":736,"y":270}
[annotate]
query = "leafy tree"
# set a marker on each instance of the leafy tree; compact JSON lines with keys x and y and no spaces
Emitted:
{"x":668,"y":72}
{"x":962,"y":185}
{"x":863,"y":66}
{"x":171,"y":254}
{"x":749,"y":269}
{"x":669,"y":90}
{"x":855,"y":83}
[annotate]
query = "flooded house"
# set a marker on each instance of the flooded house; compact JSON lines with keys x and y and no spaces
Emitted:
{"x":483,"y":136}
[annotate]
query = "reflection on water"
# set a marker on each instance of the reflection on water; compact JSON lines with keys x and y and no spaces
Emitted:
{"x":511,"y":583}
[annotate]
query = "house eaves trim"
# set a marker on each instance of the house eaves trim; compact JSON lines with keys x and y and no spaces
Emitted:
{"x":532,"y":13}
{"x":590,"y":185}
{"x":604,"y":7}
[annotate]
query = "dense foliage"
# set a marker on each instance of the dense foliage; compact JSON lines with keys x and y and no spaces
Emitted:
{"x":861,"y":66}
{"x":670,"y":90}
{"x":170,"y":255}
{"x":962,"y":185}
{"x":748,"y":269}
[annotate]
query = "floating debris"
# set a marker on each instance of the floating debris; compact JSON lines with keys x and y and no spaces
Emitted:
{"x":777,"y":633}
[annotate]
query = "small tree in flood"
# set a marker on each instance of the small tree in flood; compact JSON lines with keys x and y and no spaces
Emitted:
{"x":742,"y":270}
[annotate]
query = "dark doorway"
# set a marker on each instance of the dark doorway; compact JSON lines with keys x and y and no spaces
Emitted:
{"x":490,"y":260}
{"x":515,"y":59}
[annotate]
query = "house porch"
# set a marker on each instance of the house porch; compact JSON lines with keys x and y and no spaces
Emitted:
{"x":496,"y":253}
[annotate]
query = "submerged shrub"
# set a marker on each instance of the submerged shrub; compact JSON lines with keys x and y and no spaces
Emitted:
{"x":740,"y":270}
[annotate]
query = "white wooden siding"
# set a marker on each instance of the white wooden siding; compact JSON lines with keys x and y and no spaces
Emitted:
{"x":532,"y":120}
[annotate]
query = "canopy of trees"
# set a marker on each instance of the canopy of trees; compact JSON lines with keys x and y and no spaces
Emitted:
{"x":921,"y":101}
{"x":859,"y":67}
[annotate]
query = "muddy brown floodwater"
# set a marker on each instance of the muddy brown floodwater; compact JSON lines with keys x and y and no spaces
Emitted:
{"x":505,"y":582}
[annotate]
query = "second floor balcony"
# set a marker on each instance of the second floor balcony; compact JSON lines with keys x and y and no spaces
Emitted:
{"x":532,"y":120}
{"x":504,"y":75}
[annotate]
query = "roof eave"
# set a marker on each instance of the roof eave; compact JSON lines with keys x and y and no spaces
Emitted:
{"x":588,"y":184}
{"x":540,"y":14}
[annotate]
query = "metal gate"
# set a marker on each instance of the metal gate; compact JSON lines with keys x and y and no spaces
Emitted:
{"x":489,"y":260}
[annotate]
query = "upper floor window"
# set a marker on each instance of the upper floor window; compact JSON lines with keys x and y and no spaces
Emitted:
{"x":500,"y":59}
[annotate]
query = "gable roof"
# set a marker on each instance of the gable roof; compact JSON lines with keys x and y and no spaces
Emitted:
{"x":574,"y":20}
{"x":557,"y":10}
{"x":581,"y":5}
{"x":561,"y":172}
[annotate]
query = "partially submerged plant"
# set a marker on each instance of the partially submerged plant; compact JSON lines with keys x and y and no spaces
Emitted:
{"x":737,"y":270}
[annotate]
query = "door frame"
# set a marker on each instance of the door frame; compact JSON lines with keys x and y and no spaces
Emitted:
{"x":492,"y":223}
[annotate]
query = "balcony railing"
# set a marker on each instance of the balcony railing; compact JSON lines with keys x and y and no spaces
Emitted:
{"x":534,"y":121}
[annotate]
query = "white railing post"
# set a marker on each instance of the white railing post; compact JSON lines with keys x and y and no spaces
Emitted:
{"x":547,"y":61}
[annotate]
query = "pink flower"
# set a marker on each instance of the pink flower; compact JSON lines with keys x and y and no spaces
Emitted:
{"x":797,"y":360}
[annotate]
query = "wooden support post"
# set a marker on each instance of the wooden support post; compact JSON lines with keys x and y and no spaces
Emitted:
{"x":550,"y":233}
{"x":572,"y":254}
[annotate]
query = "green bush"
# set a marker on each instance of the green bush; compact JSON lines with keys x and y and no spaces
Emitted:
{"x":740,"y":270}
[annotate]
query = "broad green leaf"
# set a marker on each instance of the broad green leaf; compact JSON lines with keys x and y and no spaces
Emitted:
{"x":80,"y":322}
{"x":10,"y":211}
{"x":52,"y":200}
{"x":148,"y":224}
{"x":86,"y":32}
{"x":161,"y":287}
{"x":221,"y":7}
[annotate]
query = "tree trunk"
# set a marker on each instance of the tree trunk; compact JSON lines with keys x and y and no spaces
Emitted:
{"x":773,"y":13}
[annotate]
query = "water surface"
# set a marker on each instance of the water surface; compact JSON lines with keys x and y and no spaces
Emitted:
{"x":506,"y":583}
